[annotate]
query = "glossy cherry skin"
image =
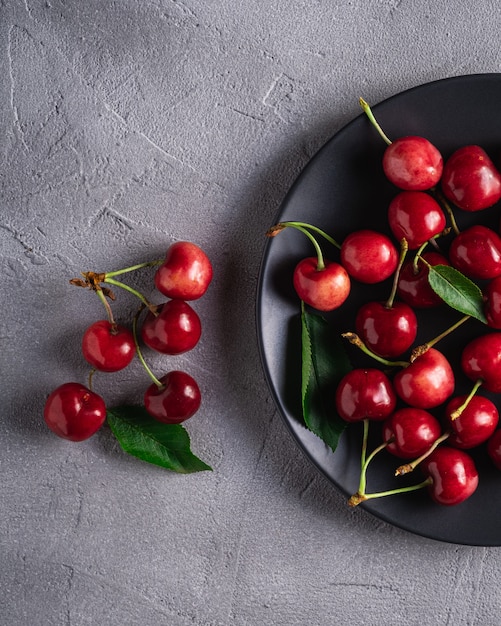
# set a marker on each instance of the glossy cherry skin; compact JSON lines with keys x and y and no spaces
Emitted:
{"x":416,"y":217}
{"x":494,"y":448}
{"x":387,"y":331}
{"x":325,"y":289}
{"x":108,"y":347}
{"x":365,"y":394}
{"x":410,"y":432}
{"x":481,"y":359}
{"x":476,"y":252}
{"x":368,"y":256}
{"x":476,"y":423}
{"x":492,"y":303}
{"x":175,"y":329}
{"x":453,"y":473}
{"x":186,"y":272}
{"x":470,"y":179}
{"x":74,"y":412}
{"x":413,"y":287}
{"x":412,"y":163}
{"x":427,"y":382}
{"x":176,"y":401}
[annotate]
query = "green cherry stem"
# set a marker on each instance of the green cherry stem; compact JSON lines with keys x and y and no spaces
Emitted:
{"x":406,"y":468}
{"x":315,"y":229}
{"x":356,"y":499}
{"x":354,"y":339}
{"x":139,"y":352}
{"x":135,"y":292}
{"x":302,"y":227}
{"x":368,"y":111}
{"x":455,"y":414}
{"x":419,"y":350}
{"x":107,"y":306}
{"x":404,"y":247}
{"x":132,"y":268}
{"x":448,"y":209}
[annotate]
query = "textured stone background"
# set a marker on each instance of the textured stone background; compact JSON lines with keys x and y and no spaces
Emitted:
{"x":126,"y":125}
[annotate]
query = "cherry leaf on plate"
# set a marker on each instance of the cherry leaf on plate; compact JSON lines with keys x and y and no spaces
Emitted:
{"x":456,"y":290}
{"x":166,"y":445}
{"x":324,"y":362}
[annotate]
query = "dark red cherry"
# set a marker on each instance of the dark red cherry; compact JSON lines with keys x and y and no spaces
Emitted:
{"x":427,"y":382}
{"x":108,"y":347}
{"x":412,"y":163}
{"x":368,"y":256}
{"x":481,"y":360}
{"x":492,"y":303}
{"x":453,"y":474}
{"x":365,"y":394}
{"x":416,"y":217}
{"x":186,"y":272}
{"x":470,"y":179}
{"x":494,"y":448}
{"x":476,"y":252}
{"x":387,"y":331}
{"x":177,"y":400}
{"x":475,"y":424}
{"x":324,"y":289}
{"x":410,"y":432}
{"x":74,"y":412}
{"x":413,"y":286}
{"x":174,"y":330}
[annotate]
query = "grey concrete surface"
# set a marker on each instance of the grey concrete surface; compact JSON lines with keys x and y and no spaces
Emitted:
{"x":126,"y":125}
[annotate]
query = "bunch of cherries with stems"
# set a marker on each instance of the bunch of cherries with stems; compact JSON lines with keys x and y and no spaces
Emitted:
{"x":428,"y":189}
{"x":74,"y":411}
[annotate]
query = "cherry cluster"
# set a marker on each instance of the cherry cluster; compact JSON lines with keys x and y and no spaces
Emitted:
{"x":74,"y":411}
{"x":423,"y":422}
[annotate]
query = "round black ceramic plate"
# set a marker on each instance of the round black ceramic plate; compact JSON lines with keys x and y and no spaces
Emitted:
{"x":340,"y":190}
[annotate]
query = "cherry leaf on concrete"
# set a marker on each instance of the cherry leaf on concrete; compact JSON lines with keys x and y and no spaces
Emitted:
{"x":456,"y":290}
{"x":166,"y":445}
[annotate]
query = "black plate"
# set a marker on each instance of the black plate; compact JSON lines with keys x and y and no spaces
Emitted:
{"x":340,"y":190}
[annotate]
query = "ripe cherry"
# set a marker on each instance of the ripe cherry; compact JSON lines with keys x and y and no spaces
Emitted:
{"x":108,"y":347}
{"x":176,"y":400}
{"x":470,"y":179}
{"x":74,"y":412}
{"x":387,"y":330}
{"x":175,"y":329}
{"x":427,"y":382}
{"x":412,"y":163}
{"x":492,"y":303}
{"x":186,"y":272}
{"x":454,"y":477}
{"x":410,"y":432}
{"x":368,"y":256}
{"x":494,"y":448}
{"x":324,"y":288}
{"x":481,"y":360}
{"x":475,"y":424}
{"x":476,"y":252}
{"x":416,"y":217}
{"x":413,"y":286}
{"x":365,"y":394}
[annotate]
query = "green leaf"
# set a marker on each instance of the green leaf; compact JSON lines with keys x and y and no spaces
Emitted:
{"x":324,"y":362}
{"x":166,"y":445}
{"x":456,"y":290}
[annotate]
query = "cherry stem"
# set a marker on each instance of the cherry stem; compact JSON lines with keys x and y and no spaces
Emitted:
{"x":140,"y":354}
{"x":107,"y":306}
{"x":420,"y":350}
{"x":89,"y":380}
{"x":418,"y":257}
{"x":367,"y":110}
{"x":357,"y":498}
{"x":310,"y":227}
{"x":117,"y":283}
{"x":367,"y":459}
{"x":448,"y":210}
{"x":404,"y":247}
{"x":455,"y":414}
{"x":132,"y":268}
{"x":318,"y":250}
{"x":354,"y":339}
{"x":406,"y":468}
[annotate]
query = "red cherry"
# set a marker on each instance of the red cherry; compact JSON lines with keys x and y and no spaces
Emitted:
{"x":413,"y":287}
{"x":177,"y":400}
{"x":108,"y":347}
{"x":481,"y":359}
{"x":492,"y":303}
{"x":74,"y":412}
{"x":475,"y":424}
{"x":410,"y":432}
{"x":453,"y":473}
{"x":427,"y":382}
{"x":470,"y":180}
{"x":412,"y":163}
{"x":365,"y":394}
{"x":476,"y":252}
{"x":416,"y":217}
{"x":387,"y":331}
{"x":368,"y":256}
{"x":494,"y":448}
{"x":323,"y":289}
{"x":186,"y":272}
{"x":175,"y":329}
